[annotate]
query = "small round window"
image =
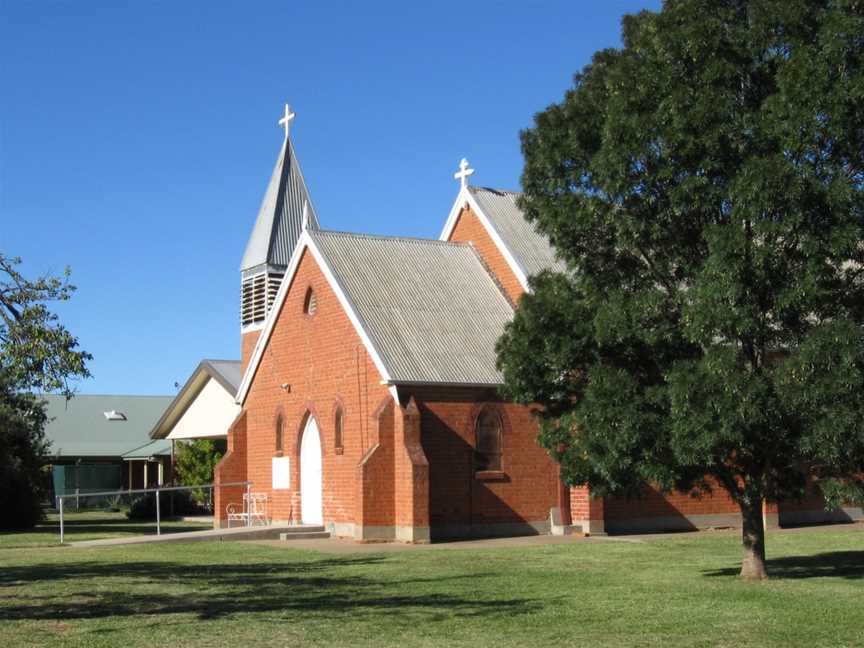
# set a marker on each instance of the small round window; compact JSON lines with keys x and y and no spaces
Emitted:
{"x":310,"y":304}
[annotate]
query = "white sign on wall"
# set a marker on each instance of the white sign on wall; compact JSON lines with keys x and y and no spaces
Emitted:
{"x":281,"y":472}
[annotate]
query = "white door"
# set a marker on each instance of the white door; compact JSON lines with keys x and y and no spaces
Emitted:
{"x":311,"y":508}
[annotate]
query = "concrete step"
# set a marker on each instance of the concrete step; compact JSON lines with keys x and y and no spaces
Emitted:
{"x":302,"y":528}
{"x":303,"y":535}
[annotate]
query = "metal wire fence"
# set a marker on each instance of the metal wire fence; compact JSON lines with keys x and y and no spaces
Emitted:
{"x":149,"y":503}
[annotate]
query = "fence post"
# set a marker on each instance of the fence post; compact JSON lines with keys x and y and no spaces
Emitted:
{"x":158,"y":521}
{"x":248,"y":504}
{"x":60,"y":499}
{"x":77,"y":503}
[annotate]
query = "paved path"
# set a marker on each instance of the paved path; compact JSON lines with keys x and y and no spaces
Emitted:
{"x":237,"y":533}
{"x":348,"y":546}
{"x":269,"y":536}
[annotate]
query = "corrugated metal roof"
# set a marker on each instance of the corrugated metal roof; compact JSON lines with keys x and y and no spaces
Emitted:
{"x":431,"y":309}
{"x":155,"y":448}
{"x":228,"y":370}
{"x":79,"y":428}
{"x":531,"y":249}
{"x":280,"y":218}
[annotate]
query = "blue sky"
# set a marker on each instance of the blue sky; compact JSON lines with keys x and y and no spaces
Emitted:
{"x":137,"y":138}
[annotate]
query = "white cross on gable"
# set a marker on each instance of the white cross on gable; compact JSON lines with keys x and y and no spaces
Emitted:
{"x":286,"y":120}
{"x":463,"y":173}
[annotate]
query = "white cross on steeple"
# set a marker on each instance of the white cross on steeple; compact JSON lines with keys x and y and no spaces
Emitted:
{"x":286,"y":120}
{"x":463,"y":173}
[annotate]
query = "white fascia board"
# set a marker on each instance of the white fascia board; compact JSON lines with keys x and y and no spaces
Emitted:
{"x":450,"y":224}
{"x":394,"y":393}
{"x":465,"y":198}
{"x":305,"y":242}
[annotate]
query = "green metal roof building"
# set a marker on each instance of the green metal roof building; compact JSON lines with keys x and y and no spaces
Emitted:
{"x":102,"y":442}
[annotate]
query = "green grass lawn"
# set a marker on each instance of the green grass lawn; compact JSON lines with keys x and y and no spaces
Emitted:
{"x":89,"y":525}
{"x":675,"y":591}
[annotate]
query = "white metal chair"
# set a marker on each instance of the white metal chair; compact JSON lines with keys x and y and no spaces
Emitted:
{"x":252,"y":512}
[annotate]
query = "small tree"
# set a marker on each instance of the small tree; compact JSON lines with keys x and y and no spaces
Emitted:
{"x":36,"y":353}
{"x":35,"y":349}
{"x":195,"y":461}
{"x":704,"y":186}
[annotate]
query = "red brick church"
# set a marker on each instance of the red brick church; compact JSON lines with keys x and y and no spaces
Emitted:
{"x":370,"y":393}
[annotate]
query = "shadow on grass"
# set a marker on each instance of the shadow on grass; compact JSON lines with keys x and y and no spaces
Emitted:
{"x":93,"y":590}
{"x":835,"y":564}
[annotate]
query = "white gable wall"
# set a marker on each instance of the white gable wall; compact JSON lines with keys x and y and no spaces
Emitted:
{"x":209,"y":415}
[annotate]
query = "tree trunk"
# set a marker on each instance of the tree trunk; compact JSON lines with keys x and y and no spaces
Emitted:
{"x":753,"y":537}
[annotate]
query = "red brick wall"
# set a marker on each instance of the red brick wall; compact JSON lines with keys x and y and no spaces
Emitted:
{"x":375,"y":505}
{"x":811,"y":510}
{"x":469,"y":229}
{"x":583,"y":506}
{"x":247,"y":346}
{"x":411,"y":470}
{"x":529,"y":486}
{"x":655,"y":504}
{"x":231,"y":468}
{"x":325,"y":364}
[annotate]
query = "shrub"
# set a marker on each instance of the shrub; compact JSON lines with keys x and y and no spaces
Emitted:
{"x":143,"y":507}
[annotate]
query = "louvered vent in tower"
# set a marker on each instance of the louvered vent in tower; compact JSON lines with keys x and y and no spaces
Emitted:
{"x":273,"y":282}
{"x":257,"y":295}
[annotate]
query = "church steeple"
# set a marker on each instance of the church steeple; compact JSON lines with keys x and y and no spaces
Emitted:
{"x":284,"y":210}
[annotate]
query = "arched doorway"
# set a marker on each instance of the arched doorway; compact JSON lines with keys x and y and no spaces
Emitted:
{"x":311,"y":508}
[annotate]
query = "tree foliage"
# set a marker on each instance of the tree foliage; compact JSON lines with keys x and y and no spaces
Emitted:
{"x":35,"y":348}
{"x":703,"y":184}
{"x":195,"y":461}
{"x":36,"y":353}
{"x":22,"y":446}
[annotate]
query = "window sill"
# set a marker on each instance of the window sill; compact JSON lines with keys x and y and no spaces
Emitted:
{"x":490,"y":475}
{"x":339,"y":450}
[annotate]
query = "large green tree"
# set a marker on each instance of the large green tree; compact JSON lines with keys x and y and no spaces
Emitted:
{"x":37,"y":353}
{"x":703,"y":184}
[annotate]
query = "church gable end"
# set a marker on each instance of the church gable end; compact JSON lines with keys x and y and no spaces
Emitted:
{"x":308,"y":366}
{"x":492,"y":221}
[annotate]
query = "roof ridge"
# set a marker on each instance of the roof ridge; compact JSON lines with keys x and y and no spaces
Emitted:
{"x":391,"y":237}
{"x":498,"y":191}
